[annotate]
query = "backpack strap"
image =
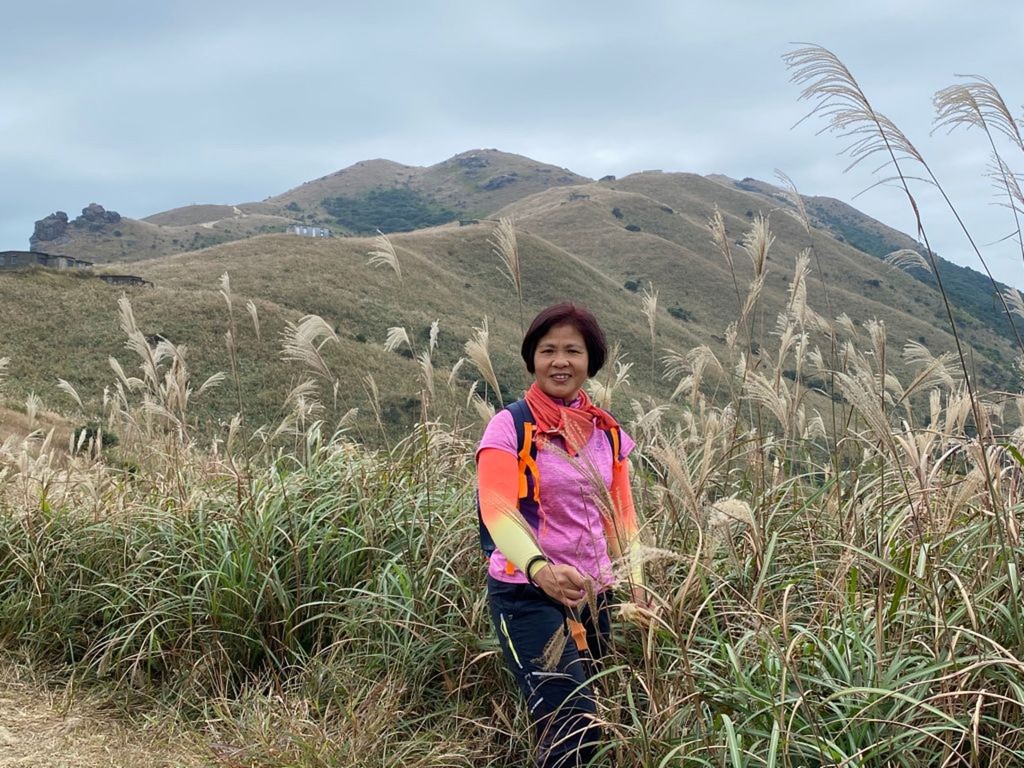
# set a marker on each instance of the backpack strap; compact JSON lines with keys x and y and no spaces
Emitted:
{"x":526,"y":447}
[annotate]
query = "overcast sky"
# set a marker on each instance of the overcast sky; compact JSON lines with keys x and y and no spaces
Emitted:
{"x":143,"y":106}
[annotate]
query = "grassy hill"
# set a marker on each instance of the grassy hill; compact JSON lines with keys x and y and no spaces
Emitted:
{"x":474,"y":184}
{"x":366,"y":197}
{"x":180,"y":230}
{"x":449,"y":276}
{"x":601,"y":243}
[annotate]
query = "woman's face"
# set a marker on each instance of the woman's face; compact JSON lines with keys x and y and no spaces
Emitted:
{"x":560,"y":362}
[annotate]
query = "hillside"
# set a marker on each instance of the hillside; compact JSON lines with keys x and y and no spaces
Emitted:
{"x":597,"y":242}
{"x":469,"y":185}
{"x":449,"y":276}
{"x":969,"y":290}
{"x":366,"y":197}
{"x":105,"y":237}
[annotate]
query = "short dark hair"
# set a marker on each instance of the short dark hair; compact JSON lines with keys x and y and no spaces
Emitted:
{"x":581,"y":319}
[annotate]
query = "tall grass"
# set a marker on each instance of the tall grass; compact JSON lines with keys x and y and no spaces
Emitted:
{"x":834,"y":591}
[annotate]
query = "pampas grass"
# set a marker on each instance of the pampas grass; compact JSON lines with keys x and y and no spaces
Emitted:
{"x":397,"y":336}
{"x":649,"y":301}
{"x":304,"y":343}
{"x":907,"y":259}
{"x":479,"y":355}
{"x":384,"y":255}
{"x":503,"y":245}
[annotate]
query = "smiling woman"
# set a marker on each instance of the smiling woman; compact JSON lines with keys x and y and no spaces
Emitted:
{"x":555,"y":499}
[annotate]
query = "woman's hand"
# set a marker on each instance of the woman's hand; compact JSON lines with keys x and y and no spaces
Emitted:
{"x":562,"y":583}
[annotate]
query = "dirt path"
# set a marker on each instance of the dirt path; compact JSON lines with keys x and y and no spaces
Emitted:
{"x":39,"y":728}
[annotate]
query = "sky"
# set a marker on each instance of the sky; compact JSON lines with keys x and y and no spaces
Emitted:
{"x":143,"y":107}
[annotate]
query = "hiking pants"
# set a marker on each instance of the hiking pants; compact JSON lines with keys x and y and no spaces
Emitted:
{"x":560,"y":703}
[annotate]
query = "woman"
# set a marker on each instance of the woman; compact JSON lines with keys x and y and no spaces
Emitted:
{"x":546,"y":574}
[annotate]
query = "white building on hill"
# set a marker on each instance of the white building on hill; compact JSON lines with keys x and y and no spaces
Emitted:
{"x":307,"y":231}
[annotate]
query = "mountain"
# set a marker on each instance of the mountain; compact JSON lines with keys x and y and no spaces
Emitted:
{"x":598,"y":242}
{"x":366,"y":197}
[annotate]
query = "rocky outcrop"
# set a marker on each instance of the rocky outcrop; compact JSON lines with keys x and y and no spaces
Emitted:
{"x":472,"y":162}
{"x":94,"y":217}
{"x":53,"y":230}
{"x":53,"y":227}
{"x":499,"y":181}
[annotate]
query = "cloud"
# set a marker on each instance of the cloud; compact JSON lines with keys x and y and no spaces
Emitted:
{"x":144,"y":107}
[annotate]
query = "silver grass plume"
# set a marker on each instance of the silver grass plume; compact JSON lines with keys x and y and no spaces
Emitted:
{"x":798,"y":287}
{"x":33,"y":404}
{"x":757,"y":242}
{"x":934,"y":370}
{"x":845,"y":323}
{"x":799,"y":211}
{"x":602,"y":391}
{"x":1014,"y":301}
{"x":839,"y":99}
{"x":454,"y":373}
{"x":68,"y":389}
{"x":646,"y":421}
{"x":975,"y":104}
{"x":484,"y":410}
{"x":427,"y":372}
{"x":425,"y":360}
{"x":650,"y":307}
{"x":384,"y":254}
{"x":251,"y":307}
{"x":225,"y":289}
{"x":716,"y":225}
{"x":907,"y":259}
{"x":304,"y":342}
{"x":503,"y":245}
{"x":478,"y":354}
{"x":396,"y":337}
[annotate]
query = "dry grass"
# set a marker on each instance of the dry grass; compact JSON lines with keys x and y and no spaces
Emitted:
{"x":43,"y":726}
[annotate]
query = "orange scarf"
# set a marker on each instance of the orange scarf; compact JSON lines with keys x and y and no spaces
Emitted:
{"x":573,"y":425}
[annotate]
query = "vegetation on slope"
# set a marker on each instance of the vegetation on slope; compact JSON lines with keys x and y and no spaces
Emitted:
{"x":387,"y":210}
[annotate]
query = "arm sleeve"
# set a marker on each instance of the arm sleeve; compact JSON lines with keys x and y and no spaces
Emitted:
{"x":624,"y":539}
{"x":498,"y":484}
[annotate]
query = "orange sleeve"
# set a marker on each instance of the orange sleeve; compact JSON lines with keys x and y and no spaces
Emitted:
{"x":624,"y":538}
{"x":498,"y":485}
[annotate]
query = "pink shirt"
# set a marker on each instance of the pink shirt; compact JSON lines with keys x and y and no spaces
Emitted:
{"x":571,"y":532}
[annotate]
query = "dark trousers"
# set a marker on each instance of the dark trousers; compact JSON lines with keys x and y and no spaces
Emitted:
{"x":560,"y":702}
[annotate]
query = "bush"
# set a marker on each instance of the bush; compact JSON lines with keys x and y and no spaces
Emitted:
{"x":633,"y":227}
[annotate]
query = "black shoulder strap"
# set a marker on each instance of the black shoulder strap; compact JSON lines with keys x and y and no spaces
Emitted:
{"x":521,"y":416}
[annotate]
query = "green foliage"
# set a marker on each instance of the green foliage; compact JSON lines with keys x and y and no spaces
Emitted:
{"x":680,"y":314}
{"x":388,"y":210}
{"x":89,"y":433}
